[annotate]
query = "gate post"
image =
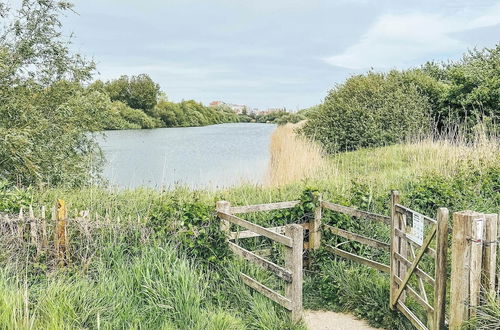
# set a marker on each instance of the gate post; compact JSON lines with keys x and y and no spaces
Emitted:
{"x":224,"y":206}
{"x":293,"y":262}
{"x":396,"y":246}
{"x":440,"y":273}
{"x":467,"y":231}
{"x":315,"y":225}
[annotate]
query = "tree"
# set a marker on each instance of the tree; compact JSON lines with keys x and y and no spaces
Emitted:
{"x":138,"y":92}
{"x":45,"y":114}
{"x":368,"y":111}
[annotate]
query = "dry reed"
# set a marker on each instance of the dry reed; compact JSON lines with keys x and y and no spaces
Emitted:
{"x":293,"y":157}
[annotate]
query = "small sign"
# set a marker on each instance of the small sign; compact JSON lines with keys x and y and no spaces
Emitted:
{"x":415,"y":227}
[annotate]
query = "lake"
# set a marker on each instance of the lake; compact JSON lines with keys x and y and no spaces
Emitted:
{"x":199,"y":157}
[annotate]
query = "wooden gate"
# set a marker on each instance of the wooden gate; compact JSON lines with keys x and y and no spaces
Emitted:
{"x":291,"y":236}
{"x":412,"y":236}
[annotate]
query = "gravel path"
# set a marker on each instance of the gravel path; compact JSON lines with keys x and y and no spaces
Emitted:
{"x":324,"y":320}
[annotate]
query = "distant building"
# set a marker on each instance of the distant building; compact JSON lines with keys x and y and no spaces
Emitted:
{"x":216,"y":103}
{"x":237,"y":108}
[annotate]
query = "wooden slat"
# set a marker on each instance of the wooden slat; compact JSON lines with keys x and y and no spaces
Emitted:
{"x":361,"y":260}
{"x":263,"y":207}
{"x":419,"y":272}
{"x":256,"y":228}
{"x":415,"y":295}
{"x":358,"y":238}
{"x":402,"y":208}
{"x":412,"y":317}
{"x":258,"y":260}
{"x":250,"y":234}
{"x":269,"y":293}
{"x":356,"y":213}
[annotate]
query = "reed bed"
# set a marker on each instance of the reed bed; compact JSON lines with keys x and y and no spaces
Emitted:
{"x":293,"y":157}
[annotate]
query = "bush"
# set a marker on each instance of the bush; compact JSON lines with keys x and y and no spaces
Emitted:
{"x":368,"y":111}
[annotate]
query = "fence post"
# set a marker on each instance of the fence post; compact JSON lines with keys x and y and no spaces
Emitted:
{"x":224,"y":206}
{"x":460,"y":284}
{"x":315,"y":226}
{"x":490,"y":252}
{"x":293,"y":262}
{"x":441,"y":255}
{"x":60,"y":232}
{"x":476,"y":267}
{"x":395,"y":243}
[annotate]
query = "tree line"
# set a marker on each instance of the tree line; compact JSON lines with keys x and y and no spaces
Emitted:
{"x":137,"y":102}
{"x":456,"y":98}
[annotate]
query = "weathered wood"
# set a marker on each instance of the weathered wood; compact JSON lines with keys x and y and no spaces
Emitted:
{"x":225,"y":226}
{"x":359,"y":259}
{"x":250,"y":234}
{"x":266,"y":264}
{"x":256,"y":228}
{"x":476,"y":257}
{"x":440,"y":269}
{"x":356,"y":213}
{"x":404,"y":209}
{"x":394,"y":267}
{"x":490,"y":252}
{"x":60,"y":232}
{"x":412,"y":317}
{"x":269,"y":293}
{"x":262,"y":207}
{"x":460,"y":267}
{"x":358,"y":238}
{"x":34,"y":230}
{"x":419,"y":272}
{"x":423,"y":301}
{"x":293,"y":262}
{"x":315,"y":226}
{"x":414,"y":264}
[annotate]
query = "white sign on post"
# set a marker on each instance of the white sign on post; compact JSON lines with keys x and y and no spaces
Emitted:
{"x":415,"y":231}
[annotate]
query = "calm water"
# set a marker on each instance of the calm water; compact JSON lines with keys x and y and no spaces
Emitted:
{"x":200,"y":157}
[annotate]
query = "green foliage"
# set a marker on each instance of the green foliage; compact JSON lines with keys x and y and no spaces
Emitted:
{"x":368,"y":111}
{"x":193,"y":224}
{"x":472,"y":93}
{"x":381,"y":109}
{"x":470,"y":188}
{"x":138,"y":92}
{"x":13,"y":198}
{"x":45,"y":114}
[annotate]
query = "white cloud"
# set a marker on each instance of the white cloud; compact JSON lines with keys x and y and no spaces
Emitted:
{"x":396,"y":41}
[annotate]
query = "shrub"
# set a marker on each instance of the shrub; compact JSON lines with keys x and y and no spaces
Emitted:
{"x":368,"y":111}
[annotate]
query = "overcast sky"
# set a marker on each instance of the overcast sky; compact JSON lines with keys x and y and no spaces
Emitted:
{"x":273,"y":53}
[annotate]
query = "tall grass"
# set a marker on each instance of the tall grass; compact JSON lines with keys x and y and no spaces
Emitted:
{"x":152,"y":288}
{"x":293,"y":157}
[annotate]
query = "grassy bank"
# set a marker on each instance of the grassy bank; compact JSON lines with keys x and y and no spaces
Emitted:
{"x":182,"y":275}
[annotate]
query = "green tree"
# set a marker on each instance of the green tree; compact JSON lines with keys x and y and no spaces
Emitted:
{"x":138,"y":92}
{"x":45,"y":114}
{"x":368,"y":111}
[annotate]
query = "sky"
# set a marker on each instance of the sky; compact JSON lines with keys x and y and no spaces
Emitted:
{"x":273,"y":53}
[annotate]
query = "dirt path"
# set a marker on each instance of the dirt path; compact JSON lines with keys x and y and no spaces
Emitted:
{"x":323,"y":320}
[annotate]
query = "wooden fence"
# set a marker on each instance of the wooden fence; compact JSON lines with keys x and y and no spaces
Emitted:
{"x":414,"y":238}
{"x":291,"y":236}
